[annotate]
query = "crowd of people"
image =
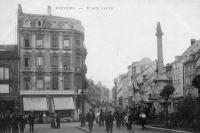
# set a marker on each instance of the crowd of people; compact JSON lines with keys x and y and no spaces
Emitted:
{"x":122,"y":117}
{"x":16,"y":122}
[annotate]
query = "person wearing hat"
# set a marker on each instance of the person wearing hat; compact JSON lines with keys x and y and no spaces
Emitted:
{"x":90,"y":117}
{"x":31,"y":119}
{"x":109,"y":122}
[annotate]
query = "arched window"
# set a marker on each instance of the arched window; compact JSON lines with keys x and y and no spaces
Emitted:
{"x":27,"y":23}
{"x":38,"y":23}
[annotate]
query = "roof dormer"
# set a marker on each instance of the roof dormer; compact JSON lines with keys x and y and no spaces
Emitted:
{"x":38,"y":23}
{"x":27,"y":22}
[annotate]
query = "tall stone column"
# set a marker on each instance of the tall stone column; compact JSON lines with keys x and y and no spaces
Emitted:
{"x":159,"y":35}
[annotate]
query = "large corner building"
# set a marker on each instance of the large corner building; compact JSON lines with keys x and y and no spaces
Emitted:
{"x":52,"y":62}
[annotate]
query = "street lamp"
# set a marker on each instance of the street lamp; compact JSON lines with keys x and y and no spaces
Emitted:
{"x":132,"y":84}
{"x":84,"y":87}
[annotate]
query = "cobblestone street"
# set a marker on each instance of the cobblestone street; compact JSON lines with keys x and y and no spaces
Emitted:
{"x":75,"y":128}
{"x":137,"y":129}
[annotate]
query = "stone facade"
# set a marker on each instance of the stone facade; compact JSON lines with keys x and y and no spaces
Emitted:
{"x":52,"y":56}
{"x":191,"y":69}
{"x":180,"y":73}
{"x":136,"y":73}
{"x":9,"y":78}
{"x":177,"y":76}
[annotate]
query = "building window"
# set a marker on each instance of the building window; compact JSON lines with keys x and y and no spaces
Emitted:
{"x":26,"y":43}
{"x":54,"y":41}
{"x":78,"y":42}
{"x":78,"y":82}
{"x":40,"y":83}
{"x":39,"y":42}
{"x":27,"y":23}
{"x":27,"y":62}
{"x":66,"y":83}
{"x":27,"y":83}
{"x":78,"y":61}
{"x":66,"y":61}
{"x":55,"y":61}
{"x":55,"y":83}
{"x":38,"y":23}
{"x":66,"y":43}
{"x":39,"y":61}
{"x":4,"y":73}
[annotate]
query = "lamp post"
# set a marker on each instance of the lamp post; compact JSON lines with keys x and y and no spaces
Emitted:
{"x":84,"y":87}
{"x":132,"y":84}
{"x":83,"y":109}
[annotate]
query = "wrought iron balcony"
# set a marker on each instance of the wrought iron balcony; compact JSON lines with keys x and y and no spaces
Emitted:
{"x":67,"y":68}
{"x":55,"y":68}
{"x":27,"y":68}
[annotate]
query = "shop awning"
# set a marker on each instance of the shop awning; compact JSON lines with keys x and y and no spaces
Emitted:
{"x":35,"y":103}
{"x":63,"y":103}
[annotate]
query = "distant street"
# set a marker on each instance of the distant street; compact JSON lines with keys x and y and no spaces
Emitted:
{"x":75,"y":128}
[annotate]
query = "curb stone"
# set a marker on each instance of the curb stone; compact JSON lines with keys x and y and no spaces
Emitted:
{"x":166,"y":129}
{"x":83,"y":129}
{"x":149,"y":127}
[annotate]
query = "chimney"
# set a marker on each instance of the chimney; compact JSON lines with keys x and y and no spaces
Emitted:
{"x":193,"y":41}
{"x":49,"y":10}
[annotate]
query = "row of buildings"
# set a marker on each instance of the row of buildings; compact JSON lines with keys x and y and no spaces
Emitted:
{"x":45,"y":70}
{"x":145,"y":78}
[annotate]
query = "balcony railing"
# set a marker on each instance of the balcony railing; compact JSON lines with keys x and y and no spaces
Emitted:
{"x":55,"y":68}
{"x":27,"y":68}
{"x":67,"y":69}
{"x":39,"y":68}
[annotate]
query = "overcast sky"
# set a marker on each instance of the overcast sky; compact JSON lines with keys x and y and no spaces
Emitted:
{"x":123,"y":33}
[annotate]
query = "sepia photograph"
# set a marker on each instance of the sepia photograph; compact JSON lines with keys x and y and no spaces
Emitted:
{"x":100,"y":66}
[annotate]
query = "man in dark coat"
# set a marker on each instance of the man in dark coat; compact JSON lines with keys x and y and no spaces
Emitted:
{"x":1,"y":123}
{"x":58,"y":120}
{"x":118,"y":119}
{"x":109,"y":122}
{"x":8,"y":123}
{"x":90,"y":119}
{"x":22,"y":123}
{"x":101,"y":118}
{"x":15,"y":123}
{"x":31,"y":119}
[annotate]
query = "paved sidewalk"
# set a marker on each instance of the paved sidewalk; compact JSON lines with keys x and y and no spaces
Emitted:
{"x":64,"y":128}
{"x":137,"y":129}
